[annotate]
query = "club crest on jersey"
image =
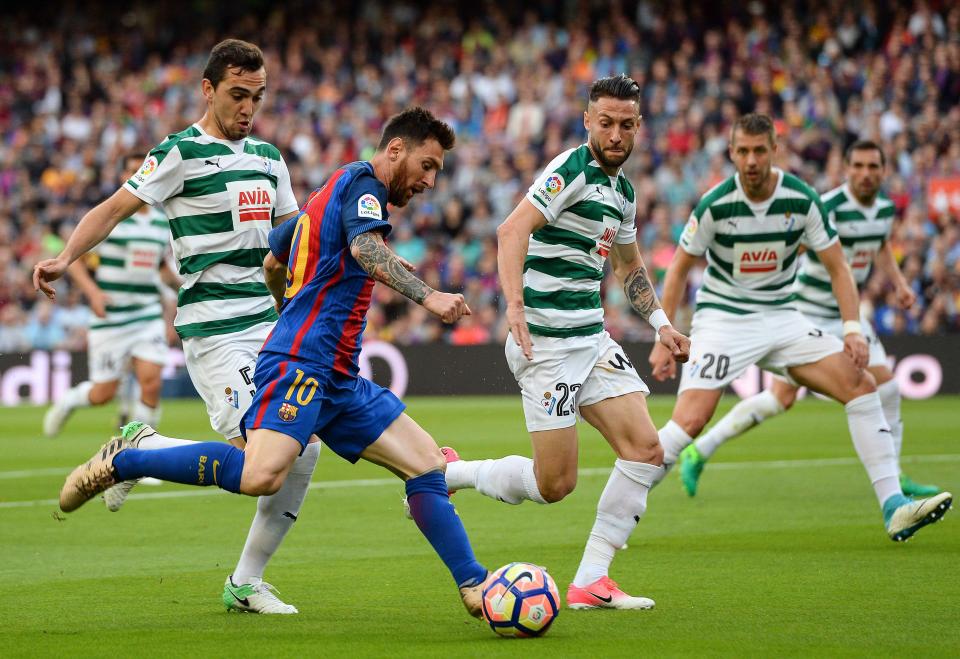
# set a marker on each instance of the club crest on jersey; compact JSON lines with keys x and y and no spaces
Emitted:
{"x":267,"y":165}
{"x":251,"y":202}
{"x":232,"y":397}
{"x":751,"y":259}
{"x":551,"y":187}
{"x":548,"y":402}
{"x":369,"y":206}
{"x":148,"y":167}
{"x":287,"y":412}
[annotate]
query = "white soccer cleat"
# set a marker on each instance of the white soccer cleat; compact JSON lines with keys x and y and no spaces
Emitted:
{"x":906,"y":517}
{"x":259,"y":597}
{"x":54,"y":419}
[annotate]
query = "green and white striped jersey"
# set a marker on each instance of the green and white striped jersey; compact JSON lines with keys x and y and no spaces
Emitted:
{"x":221,"y":198}
{"x":129,"y":269}
{"x":862,"y":230}
{"x":586,"y":212}
{"x":751,"y":247}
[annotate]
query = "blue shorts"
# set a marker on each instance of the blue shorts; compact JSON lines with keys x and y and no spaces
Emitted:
{"x":301,"y":399}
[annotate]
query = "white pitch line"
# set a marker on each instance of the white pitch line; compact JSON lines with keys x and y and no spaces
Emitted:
{"x":381,"y":482}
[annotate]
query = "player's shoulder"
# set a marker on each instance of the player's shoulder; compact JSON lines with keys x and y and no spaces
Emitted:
{"x":257,"y":147}
{"x":174,"y":140}
{"x":625,"y":187}
{"x":833,"y":199}
{"x":794,"y":184}
{"x":570,"y":164}
{"x":714,"y":195}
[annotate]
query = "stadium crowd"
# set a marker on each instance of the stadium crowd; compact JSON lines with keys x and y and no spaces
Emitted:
{"x":85,"y":84}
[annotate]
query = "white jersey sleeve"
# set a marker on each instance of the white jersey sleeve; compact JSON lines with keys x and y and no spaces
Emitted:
{"x":159,"y":177}
{"x":286,"y":201}
{"x":627,"y":233}
{"x":698,"y":233}
{"x":551,"y":193}
{"x":818,"y":233}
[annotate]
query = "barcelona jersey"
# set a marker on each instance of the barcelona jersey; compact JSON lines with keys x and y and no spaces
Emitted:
{"x":324,"y":308}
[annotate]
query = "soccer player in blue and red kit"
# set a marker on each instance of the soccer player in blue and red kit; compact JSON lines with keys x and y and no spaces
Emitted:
{"x":307,"y":383}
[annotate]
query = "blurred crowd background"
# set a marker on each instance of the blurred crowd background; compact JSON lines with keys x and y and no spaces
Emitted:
{"x":83,"y":83}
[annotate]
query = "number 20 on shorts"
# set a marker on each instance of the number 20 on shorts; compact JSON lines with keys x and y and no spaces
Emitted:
{"x":307,"y":389}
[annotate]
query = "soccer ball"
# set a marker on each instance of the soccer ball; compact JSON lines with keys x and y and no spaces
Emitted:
{"x":520,"y":599}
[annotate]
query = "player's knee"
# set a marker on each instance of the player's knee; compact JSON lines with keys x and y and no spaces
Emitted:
{"x":102,"y":392}
{"x":643,"y":449}
{"x":557,"y":488}
{"x":864,"y":384}
{"x":261,"y":483}
{"x":692,"y":420}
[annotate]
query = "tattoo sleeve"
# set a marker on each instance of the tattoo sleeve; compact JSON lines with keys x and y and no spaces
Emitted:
{"x":376,"y":258}
{"x":640,"y":292}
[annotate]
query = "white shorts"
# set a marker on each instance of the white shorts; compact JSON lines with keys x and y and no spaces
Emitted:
{"x":878,"y":356}
{"x":221,"y":368}
{"x":569,"y":372}
{"x":723,"y":345}
{"x":109,"y":350}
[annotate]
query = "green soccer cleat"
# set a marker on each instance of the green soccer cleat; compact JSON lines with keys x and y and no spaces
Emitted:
{"x":912,"y":489}
{"x":259,"y":597}
{"x":903,"y":517}
{"x":691,"y":466}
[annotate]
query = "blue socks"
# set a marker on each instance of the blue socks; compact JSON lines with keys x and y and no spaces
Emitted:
{"x":438,"y":521}
{"x":200,"y":463}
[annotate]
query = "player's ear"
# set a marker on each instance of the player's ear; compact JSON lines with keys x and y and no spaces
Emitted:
{"x":207,"y":88}
{"x":395,"y":148}
{"x":586,"y":118}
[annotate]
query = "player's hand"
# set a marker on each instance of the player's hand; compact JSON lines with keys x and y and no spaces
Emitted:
{"x":676,"y":343}
{"x":449,"y":307}
{"x":409,"y":267}
{"x":856,"y":346}
{"x":98,"y":303}
{"x":662,"y":364}
{"x":517,"y":320}
{"x":906,"y":298}
{"x":46,"y":272}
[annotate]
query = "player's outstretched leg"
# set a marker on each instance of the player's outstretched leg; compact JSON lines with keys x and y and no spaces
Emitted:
{"x":195,"y":463}
{"x":58,"y":413}
{"x":510,"y":479}
{"x":745,"y":415}
{"x":408,"y":451}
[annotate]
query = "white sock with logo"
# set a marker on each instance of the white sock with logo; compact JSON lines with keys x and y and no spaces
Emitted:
{"x":510,"y":479}
{"x":275,"y":515}
{"x":77,"y":396}
{"x":874,"y":444}
{"x":744,"y":416}
{"x":622,"y":504}
{"x":890,"y":400}
{"x":143,"y":412}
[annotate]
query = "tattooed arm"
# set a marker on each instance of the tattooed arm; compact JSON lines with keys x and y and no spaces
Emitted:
{"x":629,"y":268}
{"x":382,"y":264}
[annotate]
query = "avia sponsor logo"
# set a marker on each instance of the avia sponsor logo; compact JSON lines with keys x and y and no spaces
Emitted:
{"x":606,"y":239}
{"x":751,"y":259}
{"x":861,"y":255}
{"x":250,"y":202}
{"x":143,"y":256}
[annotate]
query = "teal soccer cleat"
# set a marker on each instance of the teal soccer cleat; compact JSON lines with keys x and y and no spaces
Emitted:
{"x":691,"y":466}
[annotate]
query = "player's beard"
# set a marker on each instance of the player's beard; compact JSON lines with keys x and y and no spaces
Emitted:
{"x":607,"y":161}
{"x":397,"y":191}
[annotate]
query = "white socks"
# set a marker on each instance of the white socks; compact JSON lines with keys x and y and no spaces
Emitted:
{"x":890,"y":400}
{"x":275,"y":515}
{"x":510,"y":479}
{"x":674,"y":439}
{"x":874,"y":444}
{"x":78,"y":396}
{"x":143,"y":412}
{"x":744,"y":415}
{"x":622,"y":504}
{"x":157,"y":440}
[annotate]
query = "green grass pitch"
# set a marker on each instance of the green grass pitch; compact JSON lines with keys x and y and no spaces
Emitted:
{"x":782,"y":553}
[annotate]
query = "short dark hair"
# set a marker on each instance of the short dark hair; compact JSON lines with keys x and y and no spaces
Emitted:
{"x":755,"y":123}
{"x":231,"y":53}
{"x":415,"y":126}
{"x":621,"y":86}
{"x":865,"y":145}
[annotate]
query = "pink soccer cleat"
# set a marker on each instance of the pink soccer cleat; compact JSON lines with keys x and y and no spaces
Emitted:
{"x":604,"y":594}
{"x":451,"y":456}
